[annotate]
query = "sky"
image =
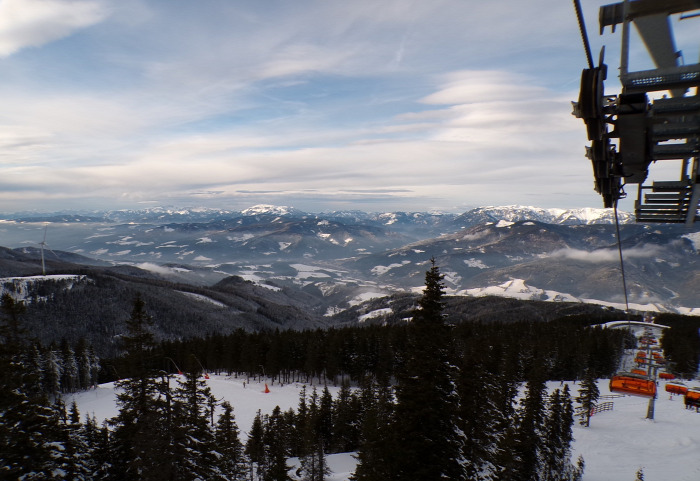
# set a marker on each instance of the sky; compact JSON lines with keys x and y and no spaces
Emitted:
{"x":373,"y":105}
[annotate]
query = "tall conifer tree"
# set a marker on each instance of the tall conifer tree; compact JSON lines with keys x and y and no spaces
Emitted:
{"x":192,"y":439}
{"x":429,"y":440}
{"x":228,"y":445}
{"x":377,"y":448}
{"x":255,"y":448}
{"x":276,"y":450}
{"x":29,"y":429}
{"x":530,"y":433}
{"x":587,"y":397}
{"x":138,"y":438}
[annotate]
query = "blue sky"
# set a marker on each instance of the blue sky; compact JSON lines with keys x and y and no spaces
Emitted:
{"x":321,"y":105}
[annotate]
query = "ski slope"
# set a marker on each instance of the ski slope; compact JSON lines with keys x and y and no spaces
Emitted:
{"x":614,"y":447}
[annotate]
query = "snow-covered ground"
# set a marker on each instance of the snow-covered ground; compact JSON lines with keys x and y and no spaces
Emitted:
{"x":614,"y":447}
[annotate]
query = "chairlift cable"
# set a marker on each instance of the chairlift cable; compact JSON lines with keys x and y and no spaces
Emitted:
{"x":584,"y":35}
{"x":622,"y":264}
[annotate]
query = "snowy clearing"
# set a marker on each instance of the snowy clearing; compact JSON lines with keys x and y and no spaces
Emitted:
{"x":203,"y":298}
{"x":376,"y":313}
{"x":614,"y":447}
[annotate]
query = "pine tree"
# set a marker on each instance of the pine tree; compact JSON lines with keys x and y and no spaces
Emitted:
{"x":345,"y":421}
{"x":193,"y":441}
{"x":530,"y":436}
{"x":505,"y":424}
{"x":276,"y":450}
{"x":556,"y":454}
{"x":29,"y":430}
{"x":70,"y":377}
{"x":140,"y":438}
{"x":376,"y":454}
{"x":88,"y":364}
{"x":313,"y":460}
{"x":255,"y":448}
{"x":324,"y":421}
{"x":231,"y":460}
{"x":429,"y":441}
{"x":587,"y":397}
{"x":75,"y":458}
{"x":53,"y":372}
{"x":481,"y":418}
{"x":98,"y":439}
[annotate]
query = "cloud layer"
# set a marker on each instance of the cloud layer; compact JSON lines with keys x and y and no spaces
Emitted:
{"x":373,"y":105}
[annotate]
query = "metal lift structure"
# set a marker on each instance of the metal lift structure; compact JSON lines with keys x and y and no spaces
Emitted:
{"x":655,"y":117}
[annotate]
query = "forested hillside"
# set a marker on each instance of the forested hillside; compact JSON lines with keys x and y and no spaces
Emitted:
{"x":93,"y":302}
{"x":455,"y":384}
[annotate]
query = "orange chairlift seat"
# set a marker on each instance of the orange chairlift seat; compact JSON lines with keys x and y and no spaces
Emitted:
{"x":692,"y":397}
{"x":633,"y":384}
{"x":666,"y":375}
{"x":640,"y":357}
{"x":676,"y":388}
{"x":693,"y":394}
{"x":641,"y":372}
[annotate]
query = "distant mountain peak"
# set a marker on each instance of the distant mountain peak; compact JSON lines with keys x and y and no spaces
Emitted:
{"x":515,"y":213}
{"x":267,"y":209}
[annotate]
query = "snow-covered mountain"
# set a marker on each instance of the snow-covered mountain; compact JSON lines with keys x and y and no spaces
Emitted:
{"x":266,"y":209}
{"x":516,"y":213}
{"x":346,"y":255}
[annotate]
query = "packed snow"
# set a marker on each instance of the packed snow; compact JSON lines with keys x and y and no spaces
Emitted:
{"x":365,"y":296}
{"x":504,"y":223}
{"x":376,"y":313}
{"x":20,"y":287}
{"x":617,"y":443}
{"x":202,"y":298}
{"x":694,"y":238}
{"x":381,"y":270}
{"x":520,"y":289}
{"x":477,"y":263}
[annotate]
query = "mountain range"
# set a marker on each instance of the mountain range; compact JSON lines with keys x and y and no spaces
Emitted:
{"x":344,"y":258}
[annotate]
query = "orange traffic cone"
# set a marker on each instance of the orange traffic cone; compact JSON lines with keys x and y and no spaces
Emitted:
{"x":267,"y":389}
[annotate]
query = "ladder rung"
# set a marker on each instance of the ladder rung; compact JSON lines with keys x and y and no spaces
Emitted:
{"x":674,"y":151}
{"x":676,"y":105}
{"x":675,"y":130}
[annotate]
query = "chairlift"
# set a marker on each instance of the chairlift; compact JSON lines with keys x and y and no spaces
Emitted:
{"x":692,"y":397}
{"x":676,"y":388}
{"x":633,"y":384}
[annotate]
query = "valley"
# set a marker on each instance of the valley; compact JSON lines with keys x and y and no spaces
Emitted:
{"x":345,"y":258}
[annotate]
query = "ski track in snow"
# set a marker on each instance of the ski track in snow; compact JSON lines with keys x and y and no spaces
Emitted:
{"x":614,"y":447}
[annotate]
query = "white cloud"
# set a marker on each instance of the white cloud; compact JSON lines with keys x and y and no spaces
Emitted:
{"x":32,"y":23}
{"x":480,"y":86}
{"x":392,"y":104}
{"x":607,"y":255}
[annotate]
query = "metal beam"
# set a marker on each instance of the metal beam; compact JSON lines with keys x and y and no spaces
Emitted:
{"x":613,"y":14}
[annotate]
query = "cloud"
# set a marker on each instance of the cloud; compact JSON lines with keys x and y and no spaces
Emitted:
{"x":32,"y":23}
{"x":384,"y":103}
{"x":480,"y":86}
{"x":607,"y":255}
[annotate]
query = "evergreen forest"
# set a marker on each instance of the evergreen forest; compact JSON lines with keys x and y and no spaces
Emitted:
{"x":428,"y":399}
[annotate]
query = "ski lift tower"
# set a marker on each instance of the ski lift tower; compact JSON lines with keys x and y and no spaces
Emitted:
{"x":655,"y":117}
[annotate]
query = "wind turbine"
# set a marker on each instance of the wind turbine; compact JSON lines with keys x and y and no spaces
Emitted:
{"x":43,"y":244}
